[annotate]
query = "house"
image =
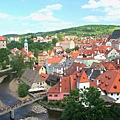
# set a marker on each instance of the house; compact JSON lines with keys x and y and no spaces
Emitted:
{"x":52,"y":80}
{"x":82,"y":80}
{"x":97,"y":66}
{"x":87,"y":61}
{"x":61,"y":89}
{"x":66,"y":44}
{"x":2,"y":42}
{"x":108,"y":65}
{"x":42,"y":57}
{"x":109,"y":84}
{"x":116,"y":44}
{"x":115,"y":35}
{"x":33,"y":80}
{"x":92,"y":73}
{"x":74,"y":67}
{"x":116,"y":63}
{"x":67,"y":83}
{"x":111,"y":52}
{"x":40,"y":69}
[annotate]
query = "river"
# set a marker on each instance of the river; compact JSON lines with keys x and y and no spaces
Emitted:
{"x":23,"y":112}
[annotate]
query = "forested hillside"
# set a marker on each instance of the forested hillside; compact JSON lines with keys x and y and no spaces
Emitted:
{"x":79,"y":31}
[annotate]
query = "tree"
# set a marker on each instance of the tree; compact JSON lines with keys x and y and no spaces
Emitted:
{"x":59,"y":37}
{"x":22,"y":89}
{"x":54,"y":41}
{"x":76,"y":48}
{"x":89,"y":106}
{"x":67,"y":50}
{"x":18,"y":64}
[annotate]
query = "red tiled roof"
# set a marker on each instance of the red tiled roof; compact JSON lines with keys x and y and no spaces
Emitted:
{"x":2,"y":38}
{"x":55,"y":88}
{"x":108,"y":65}
{"x":65,"y":84}
{"x":82,"y":77}
{"x":74,"y":54}
{"x":55,"y":59}
{"x":44,"y":76}
{"x":73,"y":82}
{"x":110,"y":81}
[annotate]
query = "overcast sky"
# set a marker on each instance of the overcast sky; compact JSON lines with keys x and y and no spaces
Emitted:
{"x":24,"y":16}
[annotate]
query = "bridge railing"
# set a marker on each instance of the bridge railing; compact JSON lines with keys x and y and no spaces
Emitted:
{"x":22,"y":103}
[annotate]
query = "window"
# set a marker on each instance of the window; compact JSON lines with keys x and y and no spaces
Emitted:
{"x":117,"y":98}
{"x":50,"y":95}
{"x":111,"y":93}
{"x":84,"y":87}
{"x":55,"y":95}
{"x":117,"y":93}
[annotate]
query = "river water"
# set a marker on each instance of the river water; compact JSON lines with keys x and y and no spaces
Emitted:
{"x":23,"y":112}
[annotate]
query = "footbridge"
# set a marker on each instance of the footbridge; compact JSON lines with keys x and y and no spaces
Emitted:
{"x":22,"y":103}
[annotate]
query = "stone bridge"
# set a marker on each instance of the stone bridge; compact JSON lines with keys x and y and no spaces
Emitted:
{"x":22,"y":103}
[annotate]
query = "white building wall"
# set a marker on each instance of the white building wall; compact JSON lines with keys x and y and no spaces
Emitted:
{"x":115,"y":96}
{"x":38,"y":85}
{"x":83,"y":85}
{"x":113,"y":53}
{"x":3,"y":44}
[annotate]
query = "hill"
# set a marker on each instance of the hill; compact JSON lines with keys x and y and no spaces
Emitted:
{"x":79,"y":31}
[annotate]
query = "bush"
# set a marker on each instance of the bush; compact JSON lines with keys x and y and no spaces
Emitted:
{"x":22,"y":90}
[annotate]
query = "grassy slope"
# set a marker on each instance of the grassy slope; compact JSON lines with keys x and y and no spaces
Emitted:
{"x":86,"y":30}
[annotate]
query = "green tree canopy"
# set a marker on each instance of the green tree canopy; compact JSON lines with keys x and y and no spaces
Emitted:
{"x":76,"y":48}
{"x":89,"y":106}
{"x":54,"y":41}
{"x":67,"y":50}
{"x":22,"y":89}
{"x":18,"y":64}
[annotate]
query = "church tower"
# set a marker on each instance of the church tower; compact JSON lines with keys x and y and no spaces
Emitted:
{"x":26,"y":45}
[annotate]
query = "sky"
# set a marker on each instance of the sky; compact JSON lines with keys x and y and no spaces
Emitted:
{"x":31,"y":16}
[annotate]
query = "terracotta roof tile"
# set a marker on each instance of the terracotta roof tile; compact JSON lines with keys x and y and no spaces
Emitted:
{"x":110,"y":81}
{"x":2,"y":38}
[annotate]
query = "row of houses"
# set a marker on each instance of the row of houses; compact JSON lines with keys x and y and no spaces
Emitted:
{"x":95,"y":64}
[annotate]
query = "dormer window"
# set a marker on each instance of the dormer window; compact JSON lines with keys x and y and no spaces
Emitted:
{"x":115,"y":87}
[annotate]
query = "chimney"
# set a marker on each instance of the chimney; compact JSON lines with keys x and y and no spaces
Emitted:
{"x":118,"y":62}
{"x":77,"y":68}
{"x":60,"y":85}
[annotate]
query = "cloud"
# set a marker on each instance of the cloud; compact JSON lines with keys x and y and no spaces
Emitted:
{"x":25,"y":24}
{"x":57,"y":25}
{"x":110,"y":9}
{"x":91,"y":19}
{"x":102,"y":3}
{"x":45,"y":13}
{"x":3,"y":15}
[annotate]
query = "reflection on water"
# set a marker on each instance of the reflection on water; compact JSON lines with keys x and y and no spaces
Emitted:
{"x":54,"y":115}
{"x":22,"y":112}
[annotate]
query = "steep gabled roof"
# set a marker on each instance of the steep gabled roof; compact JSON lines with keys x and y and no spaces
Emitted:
{"x":74,"y":68}
{"x":108,"y":65}
{"x":82,"y":77}
{"x":97,"y":66}
{"x":30,"y":76}
{"x":55,"y":88}
{"x":65,"y":85}
{"x":115,"y":34}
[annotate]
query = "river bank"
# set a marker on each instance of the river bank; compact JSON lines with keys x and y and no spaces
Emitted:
{"x":13,"y":87}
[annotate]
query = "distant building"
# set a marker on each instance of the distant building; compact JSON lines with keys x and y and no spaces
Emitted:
{"x":26,"y":45}
{"x":2,"y":42}
{"x":115,"y":35}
